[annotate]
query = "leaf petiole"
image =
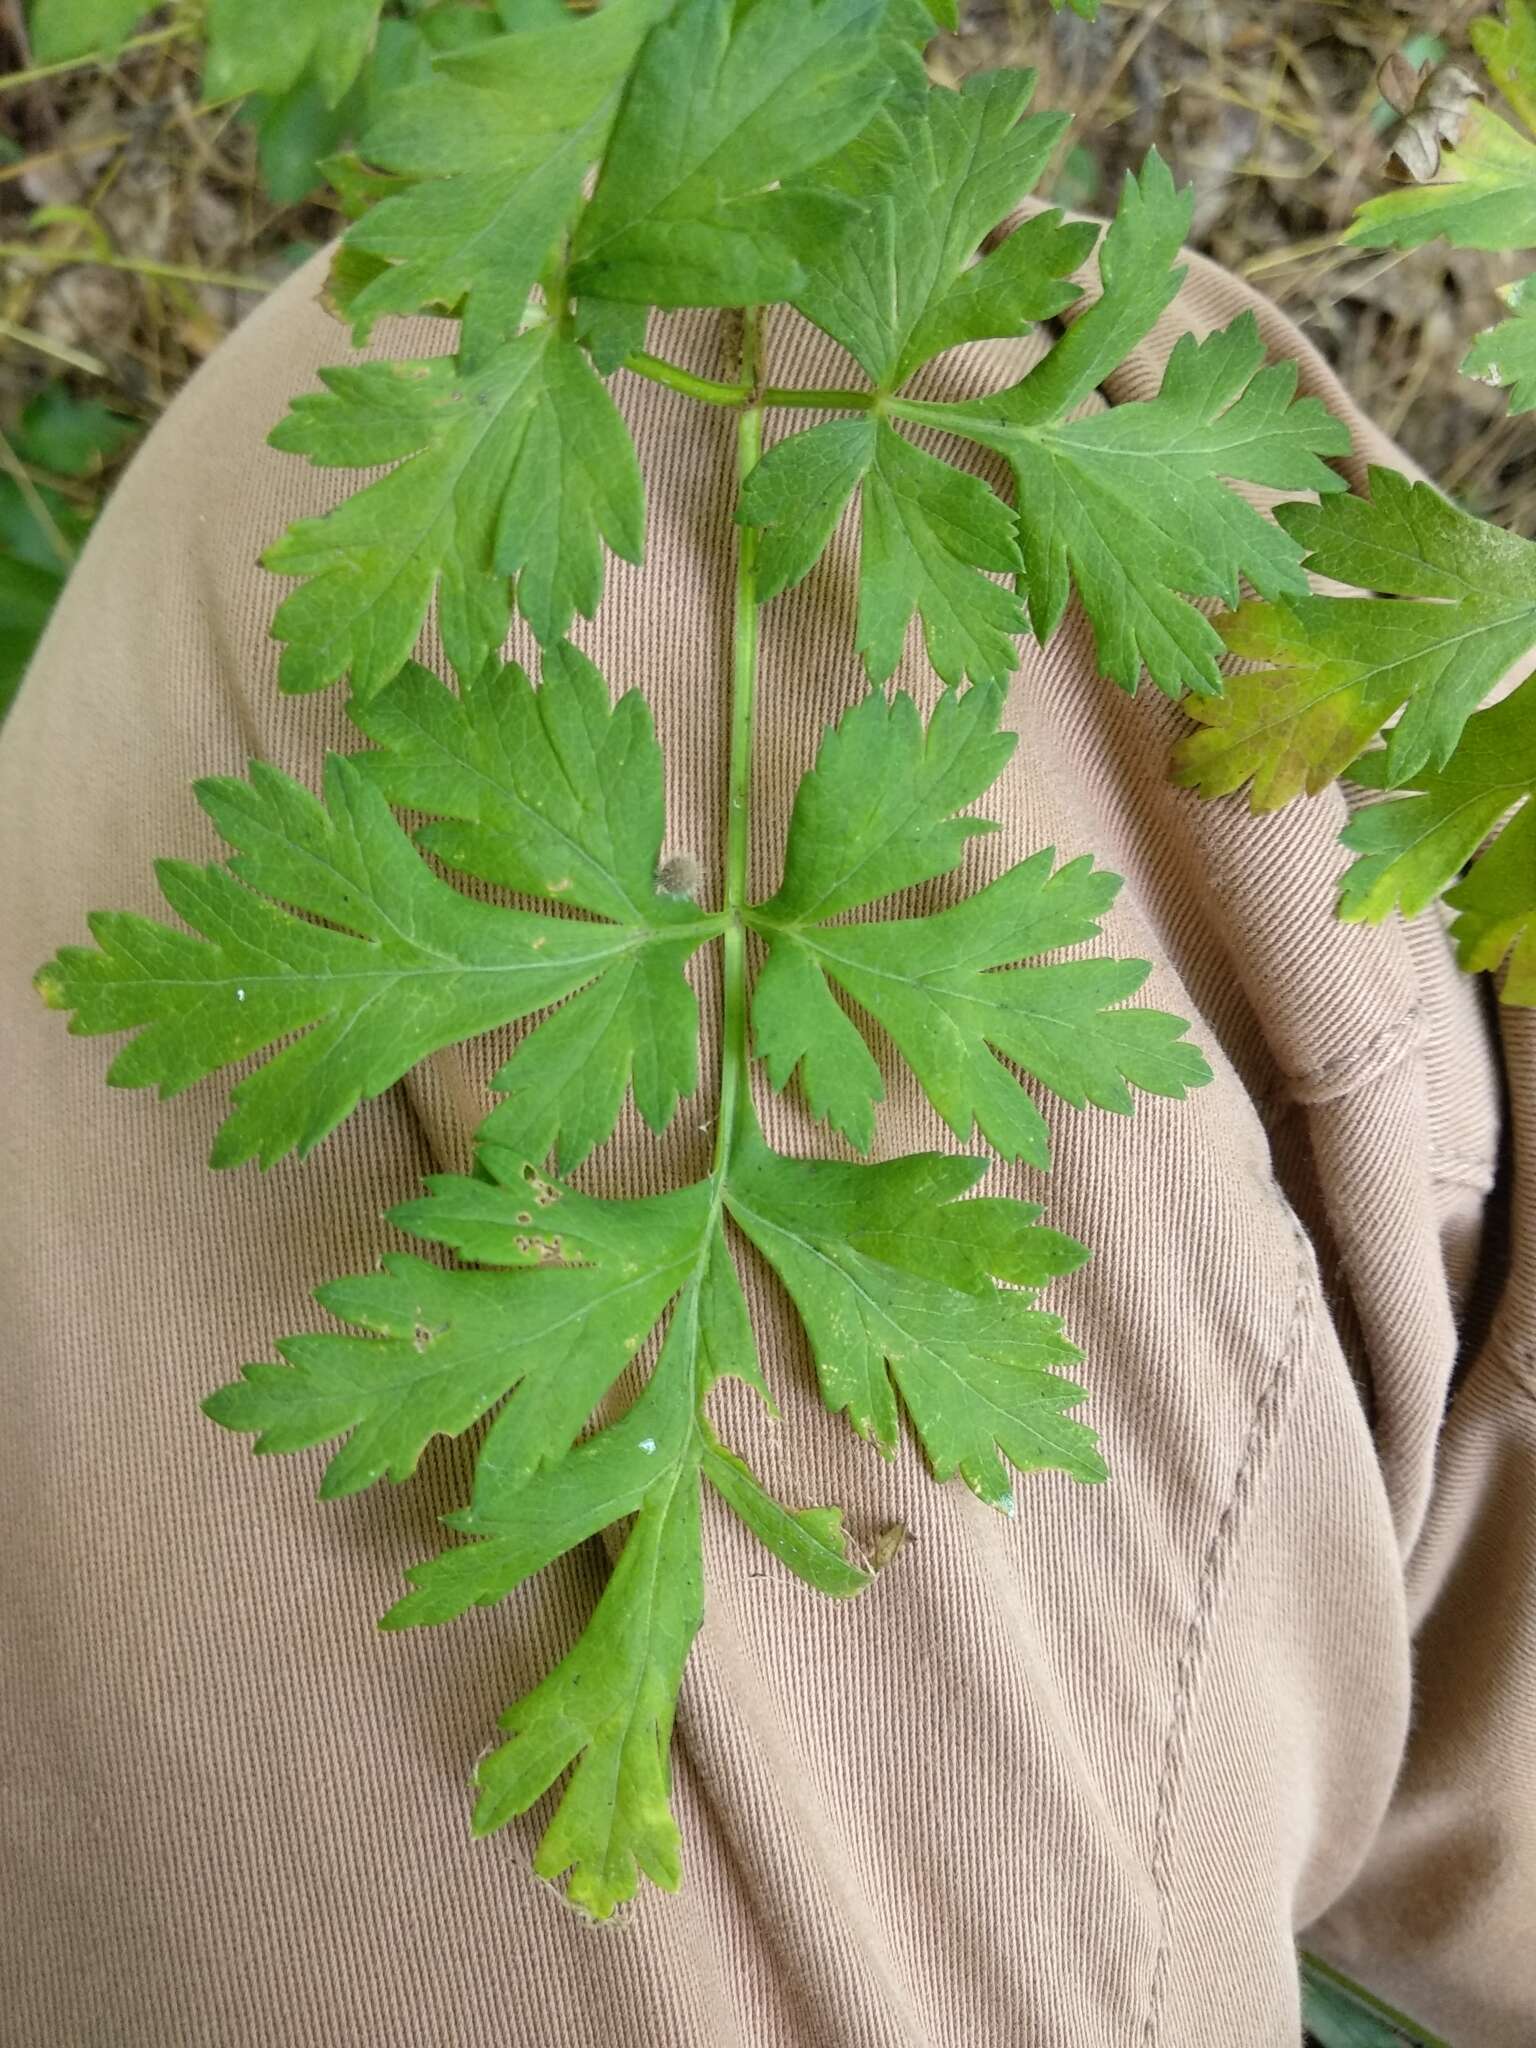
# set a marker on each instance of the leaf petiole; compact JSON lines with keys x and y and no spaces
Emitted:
{"x":712,"y":392}
{"x":660,"y":371}
{"x":834,"y":398}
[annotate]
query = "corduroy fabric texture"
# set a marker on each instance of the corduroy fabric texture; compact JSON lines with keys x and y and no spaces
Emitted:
{"x":1076,"y":1778}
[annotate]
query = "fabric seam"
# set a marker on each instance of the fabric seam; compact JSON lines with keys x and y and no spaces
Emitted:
{"x":1264,"y":1431}
{"x":1336,"y":1078}
{"x":1517,"y":1364}
{"x":1475,"y":1174}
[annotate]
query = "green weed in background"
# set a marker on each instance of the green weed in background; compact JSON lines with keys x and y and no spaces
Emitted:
{"x":61,"y":440}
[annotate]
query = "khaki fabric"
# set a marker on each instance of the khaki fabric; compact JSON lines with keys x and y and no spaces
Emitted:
{"x":1075,"y":1778}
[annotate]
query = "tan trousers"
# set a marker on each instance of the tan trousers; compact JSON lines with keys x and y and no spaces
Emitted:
{"x":1076,"y":1779}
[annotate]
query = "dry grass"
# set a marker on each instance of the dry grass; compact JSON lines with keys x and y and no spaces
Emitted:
{"x":134,"y":229}
{"x":160,"y":236}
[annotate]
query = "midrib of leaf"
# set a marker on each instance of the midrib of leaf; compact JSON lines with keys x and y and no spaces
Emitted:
{"x":1055,"y":434}
{"x":1057,"y":438}
{"x":822,"y":938}
{"x":904,"y":325}
{"x":655,"y":1533}
{"x":1372,"y":674}
{"x":868,"y":858}
{"x":1507,"y":794}
{"x":1293,"y":715}
{"x":631,"y":942}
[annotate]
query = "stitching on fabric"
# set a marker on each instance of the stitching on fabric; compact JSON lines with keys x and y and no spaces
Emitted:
{"x":1338,"y":1077}
{"x":1263,"y":1434}
{"x":1442,"y":1160}
{"x":1517,"y":1362}
{"x":1475,"y":1174}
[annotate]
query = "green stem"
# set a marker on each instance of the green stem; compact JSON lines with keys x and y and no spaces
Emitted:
{"x":734,"y":1047}
{"x":61,"y":351}
{"x":137,"y":266}
{"x":676,"y":378}
{"x":14,"y":80}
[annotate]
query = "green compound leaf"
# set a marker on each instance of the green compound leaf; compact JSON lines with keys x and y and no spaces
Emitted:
{"x":725,"y":104}
{"x":893,"y":1274}
{"x":1131,"y":506}
{"x":403,"y":964}
{"x":945,"y":988}
{"x":675,"y":152}
{"x":898,"y":1281}
{"x":913,"y":1298}
{"x":1410,"y":848}
{"x":1341,"y":667}
{"x":933,"y":538}
{"x":524,"y":469}
{"x":1483,"y":198}
{"x":443,"y":1354}
{"x":972,"y":1362}
{"x":447,"y":1346}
